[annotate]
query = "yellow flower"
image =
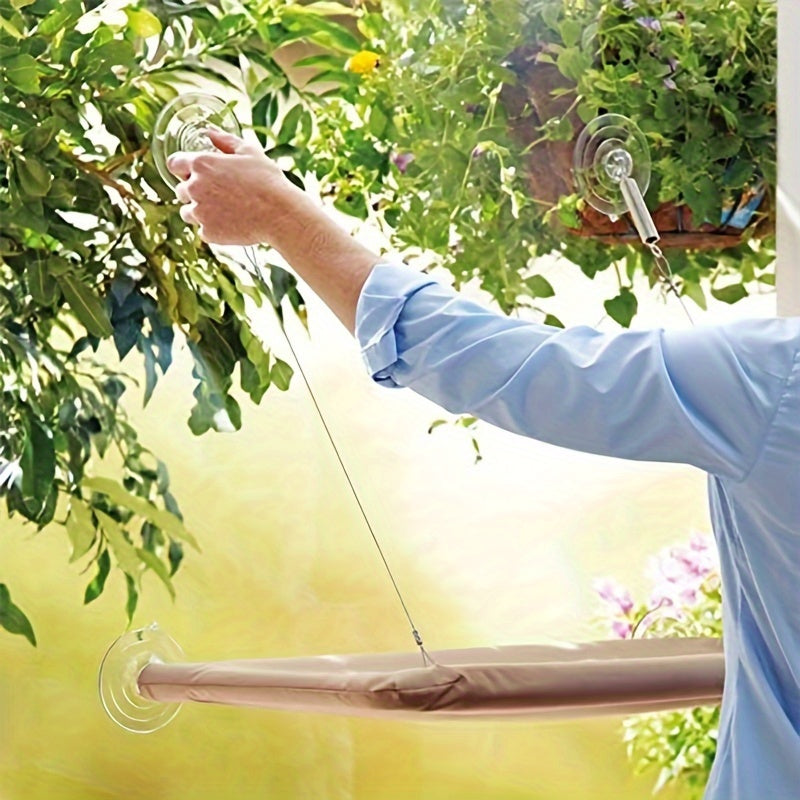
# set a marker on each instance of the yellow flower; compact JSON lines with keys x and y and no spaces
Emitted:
{"x":363,"y":61}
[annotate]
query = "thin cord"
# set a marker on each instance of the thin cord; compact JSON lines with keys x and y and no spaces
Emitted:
{"x":426,"y":659}
{"x":665,"y":273}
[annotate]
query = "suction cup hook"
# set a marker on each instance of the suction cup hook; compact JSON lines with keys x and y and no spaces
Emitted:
{"x":119,"y":679}
{"x":180,"y":127}
{"x":609,"y":149}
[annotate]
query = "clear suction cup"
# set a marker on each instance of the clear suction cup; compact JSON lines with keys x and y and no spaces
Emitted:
{"x":180,"y":127}
{"x":610,"y":149}
{"x":119,"y":679}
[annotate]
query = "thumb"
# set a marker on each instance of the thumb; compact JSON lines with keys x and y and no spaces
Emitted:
{"x":227,"y":142}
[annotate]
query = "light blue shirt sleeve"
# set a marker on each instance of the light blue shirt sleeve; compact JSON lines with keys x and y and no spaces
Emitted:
{"x":704,"y":396}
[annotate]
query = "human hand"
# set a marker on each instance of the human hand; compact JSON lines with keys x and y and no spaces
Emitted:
{"x":237,"y":195}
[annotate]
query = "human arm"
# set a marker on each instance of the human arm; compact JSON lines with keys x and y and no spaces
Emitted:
{"x":240,"y":196}
{"x":704,"y":396}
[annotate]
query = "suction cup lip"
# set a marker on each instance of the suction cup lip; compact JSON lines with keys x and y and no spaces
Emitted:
{"x":118,"y":679}
{"x":210,"y":102}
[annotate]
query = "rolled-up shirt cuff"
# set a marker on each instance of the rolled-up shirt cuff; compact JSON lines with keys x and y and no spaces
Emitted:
{"x":380,"y":305}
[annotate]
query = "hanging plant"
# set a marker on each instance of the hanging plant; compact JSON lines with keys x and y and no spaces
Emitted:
{"x":459,"y":138}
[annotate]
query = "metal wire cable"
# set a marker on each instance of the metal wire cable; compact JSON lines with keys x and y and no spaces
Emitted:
{"x":666,"y":275}
{"x":426,"y":659}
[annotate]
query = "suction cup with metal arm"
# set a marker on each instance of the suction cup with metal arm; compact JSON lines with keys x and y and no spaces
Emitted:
{"x":611,"y":165}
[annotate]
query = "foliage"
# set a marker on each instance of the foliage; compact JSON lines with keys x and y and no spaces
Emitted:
{"x":685,"y":601}
{"x":93,"y":251}
{"x":422,"y":142}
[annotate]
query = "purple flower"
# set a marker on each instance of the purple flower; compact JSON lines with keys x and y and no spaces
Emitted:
{"x":621,"y":628}
{"x":700,"y":542}
{"x":679,"y":572}
{"x":477,"y":152}
{"x":614,"y":594}
{"x":651,"y":23}
{"x":670,"y":84}
{"x":402,"y":160}
{"x":673,"y":63}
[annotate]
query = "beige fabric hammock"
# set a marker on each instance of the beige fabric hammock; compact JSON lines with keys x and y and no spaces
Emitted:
{"x":545,"y":681}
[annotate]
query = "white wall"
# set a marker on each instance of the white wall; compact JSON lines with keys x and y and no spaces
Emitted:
{"x":788,"y":266}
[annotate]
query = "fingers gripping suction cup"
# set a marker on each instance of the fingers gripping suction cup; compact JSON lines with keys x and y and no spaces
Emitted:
{"x":610,"y":148}
{"x":180,"y":127}
{"x":119,"y":676}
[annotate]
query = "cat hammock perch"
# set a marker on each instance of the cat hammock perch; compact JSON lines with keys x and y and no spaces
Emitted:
{"x":143,"y":682}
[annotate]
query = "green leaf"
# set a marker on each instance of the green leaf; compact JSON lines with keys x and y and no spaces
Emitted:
{"x":377,"y":121}
{"x":12,"y":618}
{"x":34,"y":177}
{"x":539,"y":286}
{"x":97,"y":584}
{"x":570,"y":30}
{"x":64,"y":14}
{"x":317,"y":29}
{"x":151,"y":376}
{"x":143,"y":22}
{"x":233,"y":411}
{"x":38,"y":465}
{"x":123,"y":550}
{"x":133,"y":598}
{"x":86,"y":305}
{"x":80,"y":528}
{"x":572,"y":62}
{"x":331,"y":62}
{"x":623,"y":307}
{"x":281,"y":374}
{"x":21,"y":72}
{"x":695,"y":291}
{"x":371,"y":25}
{"x":152,"y":561}
{"x":41,"y":284}
{"x":9,"y":28}
{"x":11,"y":115}
{"x":175,"y":556}
{"x":436,"y":424}
{"x":169,"y":523}
{"x":730,"y":294}
{"x":289,"y":124}
{"x":328,"y":8}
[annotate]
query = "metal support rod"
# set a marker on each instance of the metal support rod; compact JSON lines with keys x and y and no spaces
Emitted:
{"x":638,"y":211}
